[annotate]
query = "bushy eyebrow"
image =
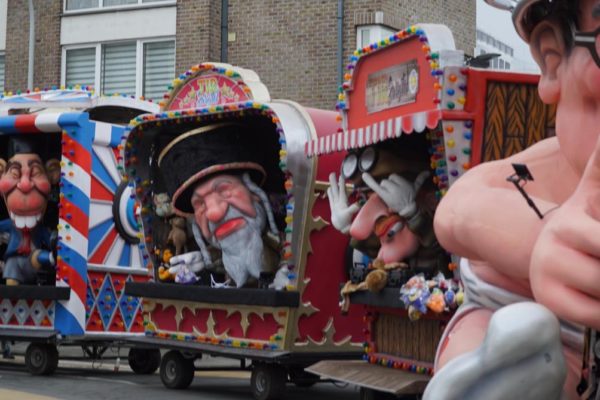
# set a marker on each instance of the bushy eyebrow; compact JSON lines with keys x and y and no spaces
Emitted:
{"x":15,"y":164}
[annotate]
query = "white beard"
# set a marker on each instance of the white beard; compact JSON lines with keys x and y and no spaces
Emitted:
{"x":242,"y":250}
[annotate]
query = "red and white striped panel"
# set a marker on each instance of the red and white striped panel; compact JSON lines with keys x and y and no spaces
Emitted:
{"x":374,"y":133}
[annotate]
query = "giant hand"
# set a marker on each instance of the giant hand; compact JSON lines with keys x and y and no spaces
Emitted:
{"x":341,"y":212}
{"x":565,"y":263}
{"x":192,"y":260}
{"x":397,"y":193}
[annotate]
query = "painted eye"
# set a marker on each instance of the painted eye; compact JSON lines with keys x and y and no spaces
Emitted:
{"x":397,"y":227}
{"x":224,"y":189}
{"x":349,"y":165}
{"x":368,"y":158}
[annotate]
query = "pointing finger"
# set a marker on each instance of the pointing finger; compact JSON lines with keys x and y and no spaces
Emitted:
{"x":370,"y":182}
{"x":332,"y":190}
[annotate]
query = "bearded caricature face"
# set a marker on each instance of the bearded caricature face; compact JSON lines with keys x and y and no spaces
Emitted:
{"x":232,"y":219}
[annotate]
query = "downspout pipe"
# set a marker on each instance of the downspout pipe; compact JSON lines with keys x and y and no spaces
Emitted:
{"x":31,"y":63}
{"x":340,"y":44}
{"x":224,"y":29}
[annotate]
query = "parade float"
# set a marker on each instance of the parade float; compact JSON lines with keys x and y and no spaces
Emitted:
{"x":265,"y":295}
{"x":68,"y":253}
{"x":411,"y":108}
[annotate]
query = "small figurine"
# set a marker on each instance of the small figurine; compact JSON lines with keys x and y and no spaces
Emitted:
{"x":162,"y":205}
{"x":177,"y":236}
{"x":25,"y":188}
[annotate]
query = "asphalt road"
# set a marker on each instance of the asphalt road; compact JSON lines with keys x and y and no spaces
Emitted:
{"x":84,"y":380}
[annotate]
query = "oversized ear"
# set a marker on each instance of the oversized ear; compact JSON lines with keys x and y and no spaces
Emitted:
{"x":549,"y":51}
{"x":2,"y":165}
{"x":53,"y":164}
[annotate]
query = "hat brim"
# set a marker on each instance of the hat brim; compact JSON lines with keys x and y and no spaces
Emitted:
{"x":182,"y":197}
{"x":519,"y":18}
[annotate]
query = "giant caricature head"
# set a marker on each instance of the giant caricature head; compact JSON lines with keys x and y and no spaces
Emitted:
{"x":565,"y":41}
{"x":214,"y":178}
{"x":24,"y":183}
{"x":375,"y":219}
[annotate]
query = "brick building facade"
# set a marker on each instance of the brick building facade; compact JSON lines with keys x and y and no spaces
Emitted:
{"x":292,"y":45}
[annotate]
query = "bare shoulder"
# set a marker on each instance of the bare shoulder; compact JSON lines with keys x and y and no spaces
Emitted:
{"x":554,"y":178}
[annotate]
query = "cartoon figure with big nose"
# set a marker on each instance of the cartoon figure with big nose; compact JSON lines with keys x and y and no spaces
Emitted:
{"x":215,"y":181}
{"x":25,"y":188}
{"x":394,"y":225}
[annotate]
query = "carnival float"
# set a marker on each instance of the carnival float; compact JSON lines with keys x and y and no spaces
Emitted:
{"x":70,"y":239}
{"x":415,"y":117}
{"x":243,"y":263}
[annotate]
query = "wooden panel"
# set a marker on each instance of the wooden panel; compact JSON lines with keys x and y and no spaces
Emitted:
{"x":398,"y":336}
{"x":515,"y":119}
{"x":371,"y":376}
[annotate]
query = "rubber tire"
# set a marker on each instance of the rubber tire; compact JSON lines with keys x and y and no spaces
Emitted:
{"x":303,"y":379}
{"x":143,"y":361}
{"x":41,"y":358}
{"x":268,"y":381}
{"x":176,"y":371}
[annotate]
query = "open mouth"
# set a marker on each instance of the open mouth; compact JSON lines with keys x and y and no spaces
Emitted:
{"x":388,"y":226}
{"x":228,"y":227}
{"x":25,"y":221}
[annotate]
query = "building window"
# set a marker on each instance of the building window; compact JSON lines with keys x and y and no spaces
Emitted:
{"x":118,"y":68}
{"x":72,"y":5}
{"x":506,"y":65}
{"x":367,"y":34}
{"x":159,"y":67}
{"x":501,"y":63}
{"x":80,"y":67}
{"x":2,"y":70}
{"x":135,"y":68}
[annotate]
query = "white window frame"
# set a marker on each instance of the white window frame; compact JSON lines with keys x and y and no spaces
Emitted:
{"x":139,"y":61}
{"x":379,"y":31}
{"x":102,"y":8}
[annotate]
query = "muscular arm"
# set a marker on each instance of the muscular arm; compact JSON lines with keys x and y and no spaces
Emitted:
{"x":484,"y":218}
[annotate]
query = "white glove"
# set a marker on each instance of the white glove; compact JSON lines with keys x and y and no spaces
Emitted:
{"x":192,"y":260}
{"x":341,"y":213}
{"x":397,"y":193}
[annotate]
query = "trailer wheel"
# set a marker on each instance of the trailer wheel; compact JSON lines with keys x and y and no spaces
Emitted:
{"x":144,"y":361}
{"x":268,"y":381}
{"x":41,"y":358}
{"x":176,"y":371}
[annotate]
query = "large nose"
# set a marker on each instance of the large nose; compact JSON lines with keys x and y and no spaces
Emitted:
{"x":216,"y":208}
{"x":25,"y":184}
{"x":364,"y":223}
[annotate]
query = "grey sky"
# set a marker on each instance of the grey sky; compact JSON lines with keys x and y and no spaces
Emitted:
{"x":498,"y":23}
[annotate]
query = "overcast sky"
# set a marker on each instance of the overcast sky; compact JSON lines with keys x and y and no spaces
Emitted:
{"x":499,"y":24}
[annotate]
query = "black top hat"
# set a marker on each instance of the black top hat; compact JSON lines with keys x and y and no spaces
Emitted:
{"x":23,"y":144}
{"x":197,"y":154}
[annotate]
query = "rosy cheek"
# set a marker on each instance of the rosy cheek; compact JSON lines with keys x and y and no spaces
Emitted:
{"x":242,"y":200}
{"x":43,"y":185}
{"x":6,"y":184}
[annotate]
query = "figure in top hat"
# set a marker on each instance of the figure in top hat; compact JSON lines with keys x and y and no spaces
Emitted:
{"x":212,"y":176}
{"x":25,"y":188}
